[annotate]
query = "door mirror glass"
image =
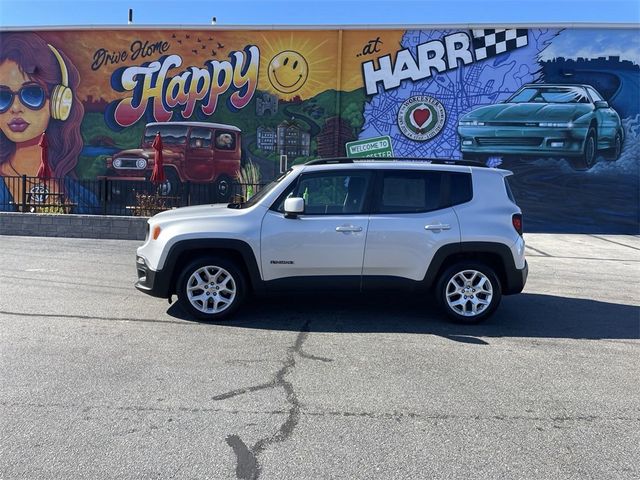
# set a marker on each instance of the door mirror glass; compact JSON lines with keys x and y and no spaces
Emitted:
{"x":293,"y":206}
{"x":601,"y":104}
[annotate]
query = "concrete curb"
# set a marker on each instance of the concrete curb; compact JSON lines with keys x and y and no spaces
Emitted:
{"x":73,"y":226}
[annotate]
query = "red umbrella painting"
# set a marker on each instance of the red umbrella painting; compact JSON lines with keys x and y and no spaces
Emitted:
{"x":40,"y":192}
{"x":44,"y":172}
{"x":157,"y":176}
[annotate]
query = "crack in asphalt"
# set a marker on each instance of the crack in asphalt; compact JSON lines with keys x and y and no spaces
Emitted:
{"x":247,"y":458}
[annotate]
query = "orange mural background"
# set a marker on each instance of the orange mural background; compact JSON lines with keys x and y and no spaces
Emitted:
{"x":321,"y":49}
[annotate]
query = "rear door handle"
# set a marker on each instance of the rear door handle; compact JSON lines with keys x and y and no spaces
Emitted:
{"x":348,"y":228}
{"x":439,"y":226}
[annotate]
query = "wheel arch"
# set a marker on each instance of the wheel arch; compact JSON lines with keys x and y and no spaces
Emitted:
{"x":496,"y":255}
{"x":186,"y":251}
{"x":175,"y":170}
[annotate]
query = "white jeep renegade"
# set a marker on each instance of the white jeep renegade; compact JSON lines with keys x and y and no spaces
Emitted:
{"x":341,"y":224}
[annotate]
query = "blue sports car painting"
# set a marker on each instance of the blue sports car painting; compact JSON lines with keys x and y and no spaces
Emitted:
{"x":571,"y":121}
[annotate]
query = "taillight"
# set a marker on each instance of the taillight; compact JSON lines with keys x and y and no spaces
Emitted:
{"x":516,"y":220}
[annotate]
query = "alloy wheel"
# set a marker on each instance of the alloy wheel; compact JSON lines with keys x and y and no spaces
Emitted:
{"x":469,"y":293}
{"x":211,"y":289}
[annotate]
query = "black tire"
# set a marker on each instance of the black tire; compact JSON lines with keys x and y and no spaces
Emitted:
{"x":589,"y":152}
{"x":614,"y":152}
{"x":209,"y":308}
{"x":172,"y":185}
{"x":223,"y":188}
{"x":445,"y":289}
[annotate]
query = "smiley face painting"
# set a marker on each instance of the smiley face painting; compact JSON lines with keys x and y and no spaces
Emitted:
{"x":288,"y":71}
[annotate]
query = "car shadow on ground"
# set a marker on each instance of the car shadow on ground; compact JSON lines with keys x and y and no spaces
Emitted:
{"x":524,"y":315}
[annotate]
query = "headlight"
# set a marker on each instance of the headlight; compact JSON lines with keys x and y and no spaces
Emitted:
{"x":471,"y":123}
{"x":556,"y":124}
{"x":141,"y":163}
{"x":117,"y":163}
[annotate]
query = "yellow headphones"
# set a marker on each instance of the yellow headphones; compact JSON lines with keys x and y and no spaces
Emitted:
{"x":62,"y":96}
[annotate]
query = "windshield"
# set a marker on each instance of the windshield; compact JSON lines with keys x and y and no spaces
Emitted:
{"x":261,"y":193}
{"x":171,"y":134}
{"x":550,"y":95}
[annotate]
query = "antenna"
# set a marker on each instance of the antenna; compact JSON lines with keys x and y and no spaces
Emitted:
{"x":130,"y":16}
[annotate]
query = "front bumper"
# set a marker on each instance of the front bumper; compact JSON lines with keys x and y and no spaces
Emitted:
{"x":151,"y":282}
{"x":522,"y":140}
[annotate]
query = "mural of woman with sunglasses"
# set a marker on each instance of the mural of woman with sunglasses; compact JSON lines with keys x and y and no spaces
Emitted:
{"x":37,"y":83}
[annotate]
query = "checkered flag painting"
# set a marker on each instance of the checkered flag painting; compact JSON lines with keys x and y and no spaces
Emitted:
{"x":488,"y":43}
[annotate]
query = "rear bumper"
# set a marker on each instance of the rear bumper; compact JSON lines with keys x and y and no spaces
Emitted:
{"x":151,"y":282}
{"x":516,"y":280}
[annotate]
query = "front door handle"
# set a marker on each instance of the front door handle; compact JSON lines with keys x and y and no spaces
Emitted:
{"x":439,"y":226}
{"x":348,"y":228}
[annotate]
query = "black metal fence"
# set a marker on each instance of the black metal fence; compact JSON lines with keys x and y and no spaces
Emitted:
{"x":105,"y":196}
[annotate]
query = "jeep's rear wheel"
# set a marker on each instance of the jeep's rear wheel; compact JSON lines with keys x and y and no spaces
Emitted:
{"x":469,"y":292}
{"x":211,"y":288}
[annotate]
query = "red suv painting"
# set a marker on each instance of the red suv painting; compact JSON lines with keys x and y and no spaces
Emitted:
{"x":198,"y":152}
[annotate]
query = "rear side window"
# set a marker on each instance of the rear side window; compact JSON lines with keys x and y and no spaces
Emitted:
{"x":421,"y":191}
{"x":461,"y":190}
{"x":508,"y":189}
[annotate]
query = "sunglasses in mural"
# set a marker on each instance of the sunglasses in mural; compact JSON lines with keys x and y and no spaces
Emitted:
{"x":32,"y":96}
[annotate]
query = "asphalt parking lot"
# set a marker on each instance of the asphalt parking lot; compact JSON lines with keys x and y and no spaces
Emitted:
{"x":101,"y":381}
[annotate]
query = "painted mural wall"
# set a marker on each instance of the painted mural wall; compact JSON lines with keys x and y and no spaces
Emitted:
{"x":558,"y":107}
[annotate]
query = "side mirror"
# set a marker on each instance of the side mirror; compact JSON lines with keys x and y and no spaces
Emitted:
{"x":293,"y":207}
{"x":601,"y":104}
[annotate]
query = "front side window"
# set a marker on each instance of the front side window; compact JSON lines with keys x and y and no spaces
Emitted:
{"x":170,"y":134}
{"x":331,"y":193}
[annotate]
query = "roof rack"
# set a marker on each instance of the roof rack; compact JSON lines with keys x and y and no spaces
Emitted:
{"x":435,"y":161}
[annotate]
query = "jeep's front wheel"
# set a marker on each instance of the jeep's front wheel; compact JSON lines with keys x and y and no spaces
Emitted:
{"x":469,"y":292}
{"x":211,"y":288}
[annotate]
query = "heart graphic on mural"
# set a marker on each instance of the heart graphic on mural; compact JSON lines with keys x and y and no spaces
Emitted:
{"x":420,"y":116}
